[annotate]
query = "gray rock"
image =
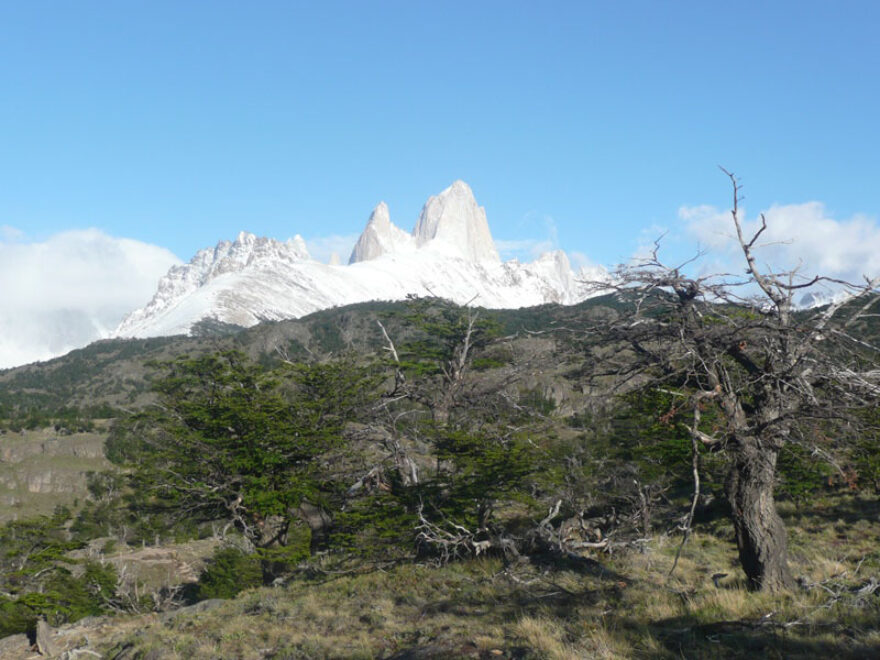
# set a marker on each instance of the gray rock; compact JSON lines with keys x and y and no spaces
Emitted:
{"x":14,"y":646}
{"x":46,"y":640}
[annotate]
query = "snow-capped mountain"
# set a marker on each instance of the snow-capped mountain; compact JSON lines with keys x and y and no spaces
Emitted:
{"x":449,"y":254}
{"x":822,"y":297}
{"x":453,"y":220}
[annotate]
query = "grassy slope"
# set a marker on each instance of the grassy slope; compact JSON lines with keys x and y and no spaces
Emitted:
{"x":114,"y":371}
{"x":622,"y":606}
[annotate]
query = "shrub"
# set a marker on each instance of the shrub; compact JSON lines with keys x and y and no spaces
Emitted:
{"x":229,"y":572}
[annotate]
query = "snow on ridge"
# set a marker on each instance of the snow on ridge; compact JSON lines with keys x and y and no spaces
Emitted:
{"x":449,"y":254}
{"x":450,"y":223}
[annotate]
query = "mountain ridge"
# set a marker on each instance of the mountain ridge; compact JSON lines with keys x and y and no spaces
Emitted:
{"x":450,"y":254}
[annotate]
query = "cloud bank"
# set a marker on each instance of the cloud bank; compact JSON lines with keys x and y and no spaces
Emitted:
{"x":800,"y":237}
{"x":71,"y":289}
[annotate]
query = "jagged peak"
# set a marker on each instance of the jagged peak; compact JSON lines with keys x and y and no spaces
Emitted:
{"x":246,"y":238}
{"x":298,"y":244}
{"x":557,"y":257}
{"x":380,"y":216}
{"x":379,"y":237}
{"x":460,"y":187}
{"x":246,"y":249}
{"x":454,"y":218}
{"x":249,"y":243}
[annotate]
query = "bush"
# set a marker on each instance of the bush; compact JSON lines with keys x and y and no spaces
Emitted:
{"x":378,"y":527}
{"x":61,"y":598}
{"x":229,"y":572}
{"x":15,"y":617}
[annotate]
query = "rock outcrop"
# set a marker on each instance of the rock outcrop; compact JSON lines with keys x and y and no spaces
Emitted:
{"x":455,"y":224}
{"x":380,"y":237}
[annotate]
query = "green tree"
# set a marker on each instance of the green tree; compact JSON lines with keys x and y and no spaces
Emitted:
{"x":38,"y":578}
{"x":231,"y":440}
{"x":229,"y":572}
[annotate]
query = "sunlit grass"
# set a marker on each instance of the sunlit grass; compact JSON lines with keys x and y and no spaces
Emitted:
{"x":629,"y":608}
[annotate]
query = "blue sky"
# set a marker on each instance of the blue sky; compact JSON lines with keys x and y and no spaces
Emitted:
{"x":134,"y":133}
{"x":181,"y":123}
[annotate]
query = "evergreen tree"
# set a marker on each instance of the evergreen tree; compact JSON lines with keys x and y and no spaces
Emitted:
{"x":232,"y":441}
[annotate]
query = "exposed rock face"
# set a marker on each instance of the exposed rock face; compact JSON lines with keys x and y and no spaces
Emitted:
{"x":380,"y":237}
{"x":39,"y":470}
{"x":46,"y":639}
{"x":453,"y":222}
{"x":15,"y":646}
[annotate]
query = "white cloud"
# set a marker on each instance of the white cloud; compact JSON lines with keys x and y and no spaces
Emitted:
{"x":10,"y":234}
{"x":526,"y":249}
{"x":71,"y":289}
{"x":798,"y":236}
{"x":529,"y":249}
{"x":323,"y":247}
{"x":580,"y":260}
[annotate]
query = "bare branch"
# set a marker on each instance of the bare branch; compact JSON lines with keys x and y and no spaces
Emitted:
{"x":390,"y":346}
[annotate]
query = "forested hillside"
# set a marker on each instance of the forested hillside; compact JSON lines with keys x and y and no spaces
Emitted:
{"x":422,"y":480}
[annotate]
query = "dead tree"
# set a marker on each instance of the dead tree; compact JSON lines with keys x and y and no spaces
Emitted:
{"x":739,"y":344}
{"x":457,"y":438}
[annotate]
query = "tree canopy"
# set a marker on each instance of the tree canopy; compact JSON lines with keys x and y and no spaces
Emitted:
{"x":231,"y":440}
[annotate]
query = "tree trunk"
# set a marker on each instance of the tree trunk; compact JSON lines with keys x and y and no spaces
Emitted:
{"x":272,"y":534}
{"x":760,"y":533}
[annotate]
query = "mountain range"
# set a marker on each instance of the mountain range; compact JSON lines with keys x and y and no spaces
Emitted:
{"x":449,"y":254}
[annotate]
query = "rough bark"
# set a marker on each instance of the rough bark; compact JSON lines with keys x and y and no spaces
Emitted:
{"x":317,"y":519}
{"x":761,"y":537}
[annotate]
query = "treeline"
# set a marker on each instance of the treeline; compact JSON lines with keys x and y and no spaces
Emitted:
{"x":15,"y":417}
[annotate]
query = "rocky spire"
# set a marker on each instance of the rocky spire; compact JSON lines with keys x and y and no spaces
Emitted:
{"x":379,"y":237}
{"x":453,"y":222}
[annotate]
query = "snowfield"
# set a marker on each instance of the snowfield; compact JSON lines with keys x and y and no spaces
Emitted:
{"x":450,"y":254}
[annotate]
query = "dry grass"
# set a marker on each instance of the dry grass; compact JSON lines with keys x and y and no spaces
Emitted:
{"x":623,"y":607}
{"x":544,"y":636}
